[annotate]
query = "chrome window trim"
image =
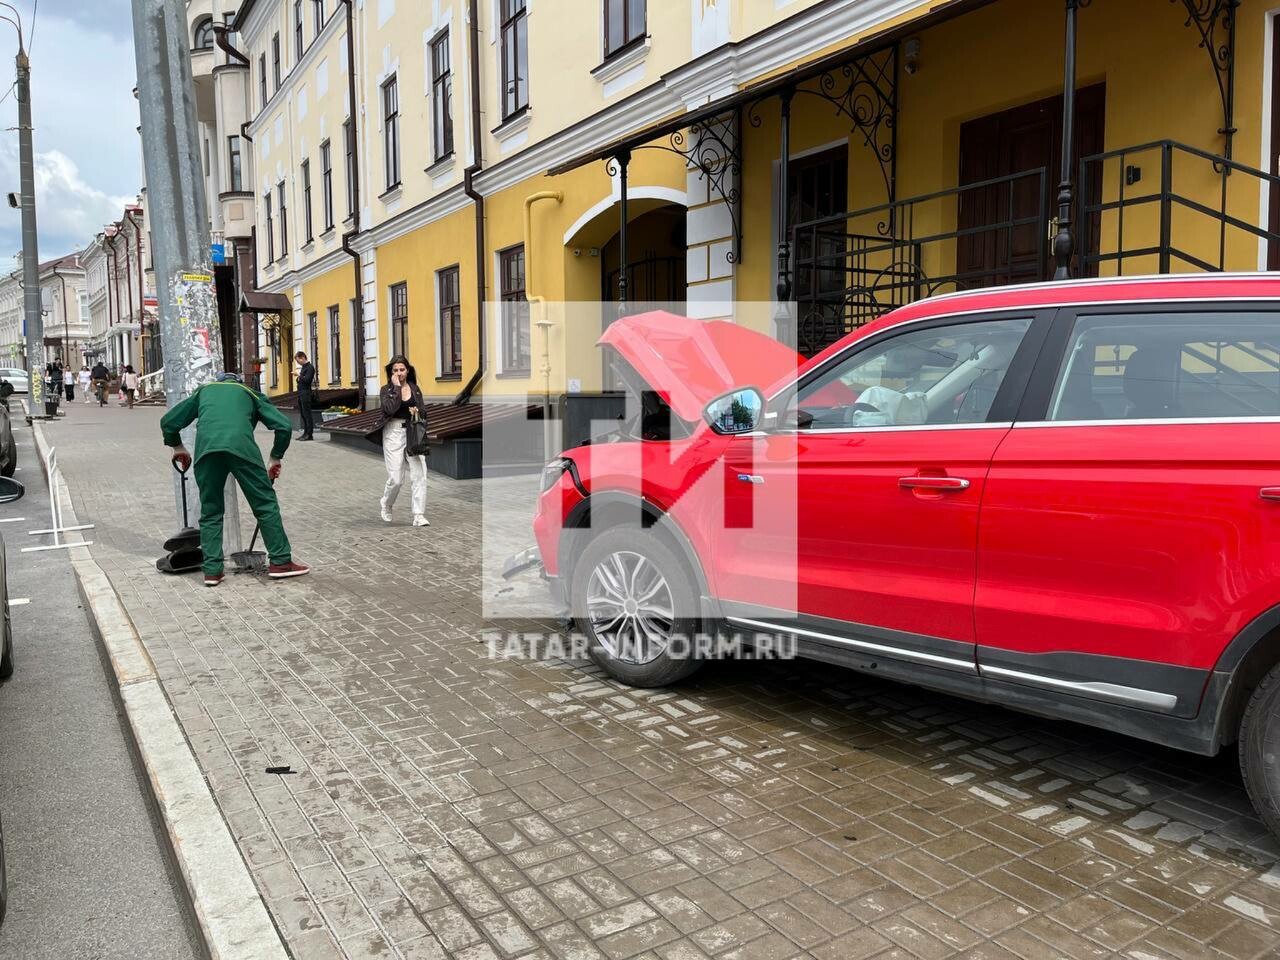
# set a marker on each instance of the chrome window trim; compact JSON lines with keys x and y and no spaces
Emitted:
{"x":1144,"y":422}
{"x":995,"y":313}
{"x":1114,"y":692}
{"x":903,"y":428}
{"x":1088,"y":282}
{"x":900,"y":653}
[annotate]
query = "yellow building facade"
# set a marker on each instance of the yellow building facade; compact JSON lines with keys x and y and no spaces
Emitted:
{"x":838,"y":157}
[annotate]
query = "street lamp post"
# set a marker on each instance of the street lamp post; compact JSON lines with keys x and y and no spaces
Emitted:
{"x":180,"y":248}
{"x":30,"y":248}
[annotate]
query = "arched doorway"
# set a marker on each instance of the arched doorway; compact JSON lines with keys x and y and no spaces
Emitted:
{"x":657,"y":251}
{"x":656,"y":272}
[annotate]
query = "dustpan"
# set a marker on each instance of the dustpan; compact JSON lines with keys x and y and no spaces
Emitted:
{"x":181,"y":560}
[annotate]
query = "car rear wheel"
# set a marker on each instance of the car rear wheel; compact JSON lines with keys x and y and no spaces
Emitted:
{"x":1259,"y":747}
{"x":632,"y":597}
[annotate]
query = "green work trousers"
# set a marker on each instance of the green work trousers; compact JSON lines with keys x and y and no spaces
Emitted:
{"x":211,"y":476}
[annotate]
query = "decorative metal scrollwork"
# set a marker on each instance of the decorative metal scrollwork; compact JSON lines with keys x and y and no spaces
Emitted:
{"x":714,"y":148}
{"x":865,"y":91}
{"x":1215,"y":22}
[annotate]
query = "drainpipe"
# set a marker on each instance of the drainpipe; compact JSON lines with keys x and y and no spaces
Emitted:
{"x":538,"y":305}
{"x":477,"y":201}
{"x":354,"y":232}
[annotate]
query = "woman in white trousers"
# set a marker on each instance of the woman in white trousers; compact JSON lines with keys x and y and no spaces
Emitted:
{"x":400,"y":397}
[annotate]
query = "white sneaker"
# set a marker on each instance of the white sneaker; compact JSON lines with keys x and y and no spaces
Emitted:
{"x":421,"y":521}
{"x":386,"y":515}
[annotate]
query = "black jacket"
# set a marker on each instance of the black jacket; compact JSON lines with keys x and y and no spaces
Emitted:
{"x":390,"y":402}
{"x":101,"y":373}
{"x":306,"y":378}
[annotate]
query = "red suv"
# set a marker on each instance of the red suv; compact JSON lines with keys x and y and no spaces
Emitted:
{"x":1062,"y":498}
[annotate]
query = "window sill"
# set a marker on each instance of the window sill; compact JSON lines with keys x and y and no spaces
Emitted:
{"x":514,"y":375}
{"x":518,"y":122}
{"x":309,"y":245}
{"x":236,"y":195}
{"x":392,"y":193}
{"x":442,"y":166}
{"x":327,"y":234}
{"x":447,"y":377}
{"x":622,"y":60}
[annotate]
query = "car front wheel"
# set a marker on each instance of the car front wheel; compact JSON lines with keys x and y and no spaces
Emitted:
{"x":633,"y":599}
{"x":6,"y":641}
{"x":1259,"y":748}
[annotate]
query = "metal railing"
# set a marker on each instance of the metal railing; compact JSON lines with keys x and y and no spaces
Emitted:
{"x":151,"y":383}
{"x":1169,"y":226}
{"x":852,"y":267}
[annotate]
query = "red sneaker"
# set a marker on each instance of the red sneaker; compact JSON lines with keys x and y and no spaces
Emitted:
{"x":212,"y":579}
{"x":283,"y":571}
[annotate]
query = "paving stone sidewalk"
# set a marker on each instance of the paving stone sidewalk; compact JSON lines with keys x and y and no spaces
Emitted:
{"x":450,"y":804}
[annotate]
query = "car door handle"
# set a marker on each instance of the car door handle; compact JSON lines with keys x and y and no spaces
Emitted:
{"x":1269,"y":493}
{"x":940,"y":484}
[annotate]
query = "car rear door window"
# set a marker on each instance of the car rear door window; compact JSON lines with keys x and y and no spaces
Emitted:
{"x":938,"y":375}
{"x":1176,"y":365}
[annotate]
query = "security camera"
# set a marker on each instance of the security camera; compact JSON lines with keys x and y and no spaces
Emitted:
{"x":13,"y":201}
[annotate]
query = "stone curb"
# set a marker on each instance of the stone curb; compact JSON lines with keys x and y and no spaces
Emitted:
{"x":233,"y":920}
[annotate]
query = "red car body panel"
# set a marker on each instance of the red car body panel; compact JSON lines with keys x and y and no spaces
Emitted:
{"x":1118,"y":546}
{"x":1146,"y":542}
{"x":857,"y":547}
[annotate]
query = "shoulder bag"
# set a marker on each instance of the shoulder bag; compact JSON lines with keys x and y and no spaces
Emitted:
{"x":415,"y":435}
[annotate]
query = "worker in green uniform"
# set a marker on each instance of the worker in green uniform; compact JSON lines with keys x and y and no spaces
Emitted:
{"x":227,"y":412}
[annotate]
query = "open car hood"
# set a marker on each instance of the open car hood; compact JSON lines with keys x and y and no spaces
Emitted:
{"x":691,"y":362}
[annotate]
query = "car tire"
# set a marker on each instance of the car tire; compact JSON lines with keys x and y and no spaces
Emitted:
{"x":645,"y":644}
{"x":6,"y":642}
{"x":1259,"y":749}
{"x":4,"y":879}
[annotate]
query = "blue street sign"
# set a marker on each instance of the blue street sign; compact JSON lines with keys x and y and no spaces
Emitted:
{"x":219,"y":253}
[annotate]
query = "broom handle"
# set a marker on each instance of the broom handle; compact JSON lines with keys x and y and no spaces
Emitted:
{"x":256,"y":527}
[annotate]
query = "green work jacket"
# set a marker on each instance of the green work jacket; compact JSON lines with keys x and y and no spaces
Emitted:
{"x":228,"y":411}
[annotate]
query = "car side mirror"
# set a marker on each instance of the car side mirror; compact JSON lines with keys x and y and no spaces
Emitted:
{"x":11,"y":490}
{"x":739,"y":411}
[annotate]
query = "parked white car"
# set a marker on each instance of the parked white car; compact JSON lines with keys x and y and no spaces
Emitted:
{"x":17,"y":377}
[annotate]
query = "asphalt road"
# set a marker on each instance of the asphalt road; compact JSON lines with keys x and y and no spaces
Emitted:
{"x":89,"y":877}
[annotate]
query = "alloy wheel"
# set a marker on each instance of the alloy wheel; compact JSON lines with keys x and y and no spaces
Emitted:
{"x":630,"y":606}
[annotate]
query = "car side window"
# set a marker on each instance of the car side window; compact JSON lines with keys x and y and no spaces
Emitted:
{"x":939,"y":375}
{"x":1154,"y":366}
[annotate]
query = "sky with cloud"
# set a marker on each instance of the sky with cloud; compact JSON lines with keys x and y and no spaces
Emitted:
{"x":88,"y":156}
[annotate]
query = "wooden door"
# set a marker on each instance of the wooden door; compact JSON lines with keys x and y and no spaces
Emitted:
{"x":1012,"y":142}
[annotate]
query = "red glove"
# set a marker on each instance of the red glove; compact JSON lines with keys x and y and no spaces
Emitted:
{"x":273,"y":471}
{"x":182,"y":461}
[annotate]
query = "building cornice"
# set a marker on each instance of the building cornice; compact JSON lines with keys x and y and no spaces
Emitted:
{"x":717,"y":73}
{"x":335,"y":25}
